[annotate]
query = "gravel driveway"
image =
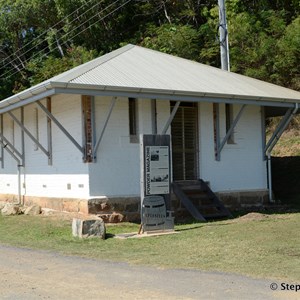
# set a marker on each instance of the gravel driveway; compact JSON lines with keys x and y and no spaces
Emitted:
{"x":33,"y":274}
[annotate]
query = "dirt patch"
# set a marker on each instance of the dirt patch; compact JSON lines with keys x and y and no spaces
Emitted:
{"x":61,"y":215}
{"x":253,"y":216}
{"x":256,"y":216}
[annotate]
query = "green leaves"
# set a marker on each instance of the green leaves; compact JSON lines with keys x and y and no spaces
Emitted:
{"x":41,"y":38}
{"x":179,"y":40}
{"x":42,"y":69}
{"x":287,"y":59}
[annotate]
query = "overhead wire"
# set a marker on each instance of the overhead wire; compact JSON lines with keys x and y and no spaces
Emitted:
{"x":65,"y":35}
{"x":37,"y":53}
{"x":43,"y":33}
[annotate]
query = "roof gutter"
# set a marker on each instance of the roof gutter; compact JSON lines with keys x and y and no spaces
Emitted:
{"x":49,"y":88}
{"x":17,"y":102}
{"x":95,"y":90}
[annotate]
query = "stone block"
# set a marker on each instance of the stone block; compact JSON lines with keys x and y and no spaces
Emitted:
{"x":132,"y":208}
{"x":248,"y":199}
{"x":133,"y":217}
{"x":105,"y":206}
{"x":2,"y":204}
{"x":118,"y":206}
{"x":10,"y":210}
{"x":112,"y":217}
{"x":116,"y":218}
{"x":32,"y":210}
{"x":89,"y":227}
{"x":95,"y":205}
{"x":229,"y":199}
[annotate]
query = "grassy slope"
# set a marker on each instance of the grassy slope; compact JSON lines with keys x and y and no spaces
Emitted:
{"x":289,"y":143}
{"x":265,"y":247}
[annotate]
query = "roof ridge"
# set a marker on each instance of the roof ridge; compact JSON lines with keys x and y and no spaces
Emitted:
{"x":90,"y":65}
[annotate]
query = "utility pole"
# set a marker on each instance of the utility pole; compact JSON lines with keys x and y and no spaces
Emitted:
{"x":223,"y":32}
{"x":223,"y":37}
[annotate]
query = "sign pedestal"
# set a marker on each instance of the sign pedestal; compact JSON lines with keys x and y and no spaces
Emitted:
{"x":155,"y":183}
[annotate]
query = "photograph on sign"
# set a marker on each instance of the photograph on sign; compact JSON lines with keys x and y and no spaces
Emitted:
{"x":157,"y":170}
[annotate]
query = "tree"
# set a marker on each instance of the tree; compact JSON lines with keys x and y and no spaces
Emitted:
{"x":42,"y":69}
{"x":287,"y":59}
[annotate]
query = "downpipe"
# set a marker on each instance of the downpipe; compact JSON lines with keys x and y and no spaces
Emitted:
{"x":19,"y":185}
{"x":271,"y":200}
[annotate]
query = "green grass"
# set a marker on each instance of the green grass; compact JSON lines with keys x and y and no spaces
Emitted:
{"x":267,"y":247}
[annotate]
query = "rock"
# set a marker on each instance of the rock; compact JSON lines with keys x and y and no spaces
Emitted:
{"x":90,"y":227}
{"x":104,"y":206}
{"x":22,"y":209}
{"x":116,"y":218}
{"x":33,"y":210}
{"x":10,"y":210}
{"x":112,"y":218}
{"x":2,"y":204}
{"x":48,"y":211}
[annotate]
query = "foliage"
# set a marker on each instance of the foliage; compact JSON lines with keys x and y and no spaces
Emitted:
{"x":180,"y":40}
{"x":287,"y":59}
{"x":43,"y":69}
{"x":253,"y":45}
{"x":37,"y":36}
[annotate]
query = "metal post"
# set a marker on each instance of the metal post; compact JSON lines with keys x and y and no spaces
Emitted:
{"x":22,"y":137}
{"x":112,"y":104}
{"x":263,"y":132}
{"x":270,"y":178}
{"x":1,"y":133}
{"x":57,"y":123}
{"x":49,"y":132}
{"x":231,"y":128}
{"x":23,"y":128}
{"x":224,"y":53}
{"x":216,"y":121}
{"x":223,"y":36}
{"x":175,"y":108}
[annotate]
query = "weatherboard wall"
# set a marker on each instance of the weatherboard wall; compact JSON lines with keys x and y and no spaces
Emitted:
{"x":67,"y":176}
{"x":117,"y":169}
{"x":116,"y":172}
{"x":241,"y":166}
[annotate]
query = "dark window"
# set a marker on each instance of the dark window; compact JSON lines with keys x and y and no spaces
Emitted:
{"x":133,"y":120}
{"x":229,"y":121}
{"x":87,"y":127}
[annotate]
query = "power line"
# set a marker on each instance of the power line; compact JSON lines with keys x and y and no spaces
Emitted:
{"x":18,"y":57}
{"x":63,"y":43}
{"x":30,"y":42}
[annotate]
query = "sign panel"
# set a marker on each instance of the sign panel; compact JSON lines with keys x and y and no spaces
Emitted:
{"x":157,"y":170}
{"x":155,"y":183}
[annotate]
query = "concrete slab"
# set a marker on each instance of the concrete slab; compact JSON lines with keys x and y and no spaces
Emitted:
{"x":145,"y":234}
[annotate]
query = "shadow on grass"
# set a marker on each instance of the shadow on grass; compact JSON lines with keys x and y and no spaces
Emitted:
{"x":109,"y":236}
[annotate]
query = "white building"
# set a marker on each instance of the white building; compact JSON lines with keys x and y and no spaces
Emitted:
{"x":72,"y":142}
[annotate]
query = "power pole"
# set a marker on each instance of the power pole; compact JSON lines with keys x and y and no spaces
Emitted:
{"x":223,"y":32}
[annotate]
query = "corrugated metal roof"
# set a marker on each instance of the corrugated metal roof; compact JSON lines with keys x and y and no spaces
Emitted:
{"x":136,"y":68}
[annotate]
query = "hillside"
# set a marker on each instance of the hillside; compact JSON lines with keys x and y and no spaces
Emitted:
{"x":289,"y":143}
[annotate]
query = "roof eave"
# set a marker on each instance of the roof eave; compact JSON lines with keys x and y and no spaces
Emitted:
{"x":49,"y":88}
{"x":177,"y":94}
